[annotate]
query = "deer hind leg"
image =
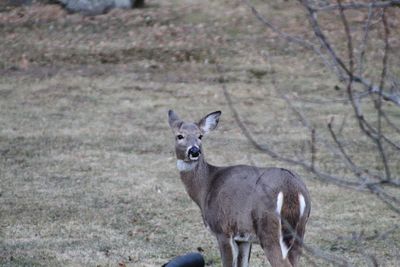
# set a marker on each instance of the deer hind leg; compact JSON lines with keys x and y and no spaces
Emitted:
{"x":275,"y":258}
{"x":296,"y":250}
{"x":294,"y":254}
{"x":272,"y":243}
{"x":271,"y":237}
{"x":275,"y":251}
{"x":229,"y":250}
{"x":244,"y":254}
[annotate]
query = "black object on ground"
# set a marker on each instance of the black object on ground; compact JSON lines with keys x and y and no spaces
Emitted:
{"x":188,"y":260}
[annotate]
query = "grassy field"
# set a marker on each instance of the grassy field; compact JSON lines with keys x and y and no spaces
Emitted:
{"x":87,"y":167}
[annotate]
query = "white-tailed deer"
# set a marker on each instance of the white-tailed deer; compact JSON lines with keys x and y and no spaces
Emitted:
{"x":242,"y":204}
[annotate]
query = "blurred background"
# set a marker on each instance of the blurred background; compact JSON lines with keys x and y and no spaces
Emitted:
{"x":87,"y":167}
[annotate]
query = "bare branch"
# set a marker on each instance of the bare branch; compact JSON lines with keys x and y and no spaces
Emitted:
{"x":264,"y":148}
{"x":378,"y":105}
{"x":308,"y":125}
{"x":364,"y":41}
{"x":374,"y":89}
{"x":345,"y":71}
{"x":363,"y":174}
{"x":375,"y":135}
{"x":294,"y":39}
{"x":349,"y":41}
{"x":384,"y":235}
{"x":310,"y":260}
{"x":389,"y":141}
{"x":382,"y":4}
{"x":312,"y":17}
{"x":391,"y":202}
{"x":313,"y":148}
{"x":343,"y":182}
{"x":336,"y":63}
{"x":356,"y":170}
{"x":371,"y":89}
{"x":390,"y":123}
{"x":316,"y":252}
{"x":359,"y":238}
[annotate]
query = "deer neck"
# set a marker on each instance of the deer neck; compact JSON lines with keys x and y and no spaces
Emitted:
{"x":196,"y":178}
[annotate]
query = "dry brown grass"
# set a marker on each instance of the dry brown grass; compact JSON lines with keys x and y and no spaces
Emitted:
{"x":88,"y":172}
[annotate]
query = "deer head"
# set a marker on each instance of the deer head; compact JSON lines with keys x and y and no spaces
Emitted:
{"x":188,"y":135}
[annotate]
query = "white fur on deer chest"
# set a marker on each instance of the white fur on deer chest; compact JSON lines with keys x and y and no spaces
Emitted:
{"x":184,"y":166}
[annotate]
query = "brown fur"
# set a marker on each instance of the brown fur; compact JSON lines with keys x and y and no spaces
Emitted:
{"x":240,"y":201}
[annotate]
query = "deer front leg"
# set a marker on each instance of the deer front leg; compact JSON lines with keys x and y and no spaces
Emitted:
{"x":229,"y":250}
{"x":244,"y":254}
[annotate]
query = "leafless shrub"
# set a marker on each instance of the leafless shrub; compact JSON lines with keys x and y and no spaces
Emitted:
{"x":347,"y":60}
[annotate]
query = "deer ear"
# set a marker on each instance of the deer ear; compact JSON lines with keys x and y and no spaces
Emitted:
{"x":209,"y":122}
{"x":173,"y":119}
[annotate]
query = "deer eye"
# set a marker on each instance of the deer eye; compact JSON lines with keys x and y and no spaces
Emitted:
{"x":200,"y":136}
{"x":179,"y":136}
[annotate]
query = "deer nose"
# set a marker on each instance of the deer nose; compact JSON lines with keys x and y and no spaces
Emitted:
{"x":194,"y":151}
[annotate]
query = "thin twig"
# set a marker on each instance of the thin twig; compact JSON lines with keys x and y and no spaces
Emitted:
{"x":370,"y":88}
{"x":310,"y":260}
{"x":263,"y":148}
{"x":294,"y":39}
{"x":353,"y":166}
{"x":316,"y":252}
{"x":382,"y":4}
{"x":390,"y":201}
{"x":343,"y":182}
{"x":390,"y":123}
{"x":379,"y":101}
{"x":312,"y":17}
{"x":359,"y":238}
{"x":375,"y":135}
{"x":313,"y":148}
{"x":364,"y":41}
{"x":321,"y":140}
{"x":336,"y":63}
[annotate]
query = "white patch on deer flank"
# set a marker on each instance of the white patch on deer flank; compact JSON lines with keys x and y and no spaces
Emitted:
{"x":184,"y":166}
{"x":302,"y":204}
{"x":279,"y":203}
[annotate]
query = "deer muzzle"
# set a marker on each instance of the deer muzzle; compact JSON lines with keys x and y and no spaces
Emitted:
{"x":194,"y":152}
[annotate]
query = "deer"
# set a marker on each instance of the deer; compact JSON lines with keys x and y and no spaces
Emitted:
{"x":242,"y":205}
